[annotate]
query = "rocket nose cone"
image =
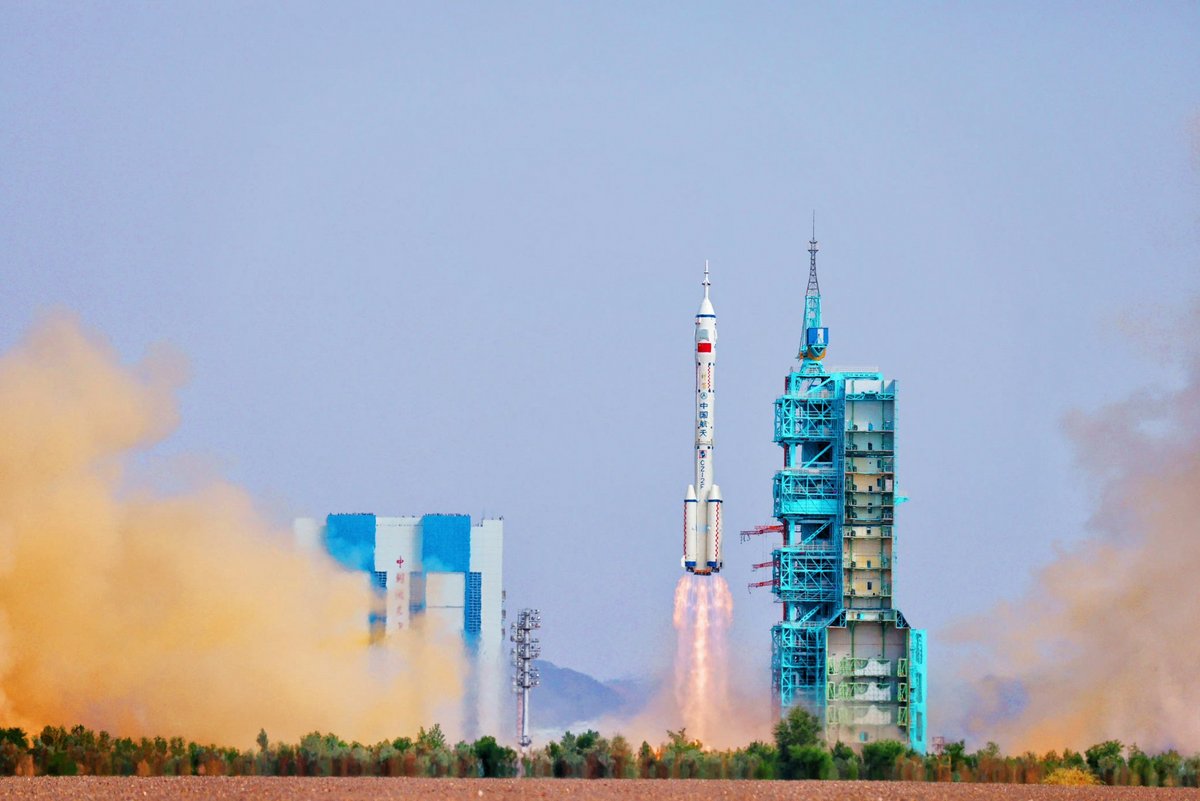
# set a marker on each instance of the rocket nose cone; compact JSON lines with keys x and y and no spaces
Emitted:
{"x":691,"y":493}
{"x":706,"y":307}
{"x":714,"y":494}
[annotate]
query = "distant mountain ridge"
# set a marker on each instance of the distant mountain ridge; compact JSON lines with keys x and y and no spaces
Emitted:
{"x":567,"y":698}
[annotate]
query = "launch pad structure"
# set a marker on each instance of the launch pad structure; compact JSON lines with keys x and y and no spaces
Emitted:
{"x":841,"y":650}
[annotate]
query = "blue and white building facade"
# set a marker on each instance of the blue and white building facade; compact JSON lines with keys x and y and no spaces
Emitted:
{"x":439,"y":572}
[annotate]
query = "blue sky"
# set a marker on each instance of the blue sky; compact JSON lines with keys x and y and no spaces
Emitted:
{"x":434,"y":257}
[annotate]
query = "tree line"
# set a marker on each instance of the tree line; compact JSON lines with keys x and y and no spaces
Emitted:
{"x":797,"y":751}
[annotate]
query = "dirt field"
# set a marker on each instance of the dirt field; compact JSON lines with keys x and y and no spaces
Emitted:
{"x":259,"y":789}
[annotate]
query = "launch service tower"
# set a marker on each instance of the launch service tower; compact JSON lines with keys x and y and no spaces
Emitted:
{"x":841,"y":650}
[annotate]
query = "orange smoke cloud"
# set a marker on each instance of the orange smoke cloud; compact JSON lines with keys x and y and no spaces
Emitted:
{"x":1106,"y":647}
{"x":172,"y":615}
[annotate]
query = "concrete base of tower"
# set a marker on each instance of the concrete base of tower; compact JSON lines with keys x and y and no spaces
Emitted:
{"x":875,"y":683}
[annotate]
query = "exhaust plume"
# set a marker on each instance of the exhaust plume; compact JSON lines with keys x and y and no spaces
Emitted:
{"x":1106,"y":646}
{"x":181,"y":615}
{"x":703,"y":612}
{"x":722,"y":702}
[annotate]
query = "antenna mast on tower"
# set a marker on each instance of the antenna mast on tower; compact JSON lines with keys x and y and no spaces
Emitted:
{"x":816,"y":336}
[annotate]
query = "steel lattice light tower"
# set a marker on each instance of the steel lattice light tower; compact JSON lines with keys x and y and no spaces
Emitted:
{"x":526,"y":648}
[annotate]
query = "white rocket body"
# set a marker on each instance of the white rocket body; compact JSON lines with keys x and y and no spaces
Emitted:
{"x":702,"y":503}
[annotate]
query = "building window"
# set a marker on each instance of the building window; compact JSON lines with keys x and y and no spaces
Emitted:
{"x":380,"y":579}
{"x":473,"y":614}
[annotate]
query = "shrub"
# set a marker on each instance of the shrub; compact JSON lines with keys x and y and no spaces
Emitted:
{"x":879,"y":759}
{"x":810,"y":762}
{"x":1075,"y":777}
{"x":496,"y":760}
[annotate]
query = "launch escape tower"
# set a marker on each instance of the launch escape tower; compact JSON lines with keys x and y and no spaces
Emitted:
{"x":841,"y":650}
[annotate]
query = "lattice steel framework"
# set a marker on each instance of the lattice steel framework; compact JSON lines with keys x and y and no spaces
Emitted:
{"x":798,"y":662}
{"x":807,"y":570}
{"x":836,"y":489}
{"x":526,"y":676}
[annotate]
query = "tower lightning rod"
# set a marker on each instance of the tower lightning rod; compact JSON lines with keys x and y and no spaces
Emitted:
{"x":816,"y":335}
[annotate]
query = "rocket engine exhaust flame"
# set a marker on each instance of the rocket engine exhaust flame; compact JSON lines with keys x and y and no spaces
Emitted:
{"x":182,"y":615}
{"x":703,"y":612}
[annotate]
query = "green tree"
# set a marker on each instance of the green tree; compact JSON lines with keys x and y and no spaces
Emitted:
{"x":648,"y":763}
{"x":1168,"y":767}
{"x":796,"y":735}
{"x":622,"y":757}
{"x":810,"y":762}
{"x":1142,"y":768}
{"x":315,"y":759}
{"x":15,"y":736}
{"x":178,"y":763}
{"x":124,"y":757}
{"x":598,"y":758}
{"x":14,"y":744}
{"x":879,"y":758}
{"x":990,"y":765}
{"x":466,"y":762}
{"x":566,"y":756}
{"x":762,"y":760}
{"x":956,"y":752}
{"x":497,"y":761}
{"x":1189,"y":775}
{"x":682,"y":756}
{"x":51,"y":752}
{"x":797,"y":727}
{"x":287,"y":764}
{"x":1105,"y":760}
{"x":432,"y":741}
{"x":845,"y":761}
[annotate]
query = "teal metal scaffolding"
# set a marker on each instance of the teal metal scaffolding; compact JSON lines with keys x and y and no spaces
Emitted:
{"x":834,"y":501}
{"x":808,"y":500}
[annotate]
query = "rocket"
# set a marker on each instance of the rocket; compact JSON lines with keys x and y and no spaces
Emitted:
{"x":702,"y":503}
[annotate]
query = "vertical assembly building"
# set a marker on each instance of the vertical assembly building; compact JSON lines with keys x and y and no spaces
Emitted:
{"x":443,"y":569}
{"x":841,"y":649}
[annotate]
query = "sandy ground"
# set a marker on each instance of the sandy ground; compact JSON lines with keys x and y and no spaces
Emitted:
{"x":114,"y":788}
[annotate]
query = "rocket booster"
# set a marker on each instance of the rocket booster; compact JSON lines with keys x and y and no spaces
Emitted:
{"x":702,"y":502}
